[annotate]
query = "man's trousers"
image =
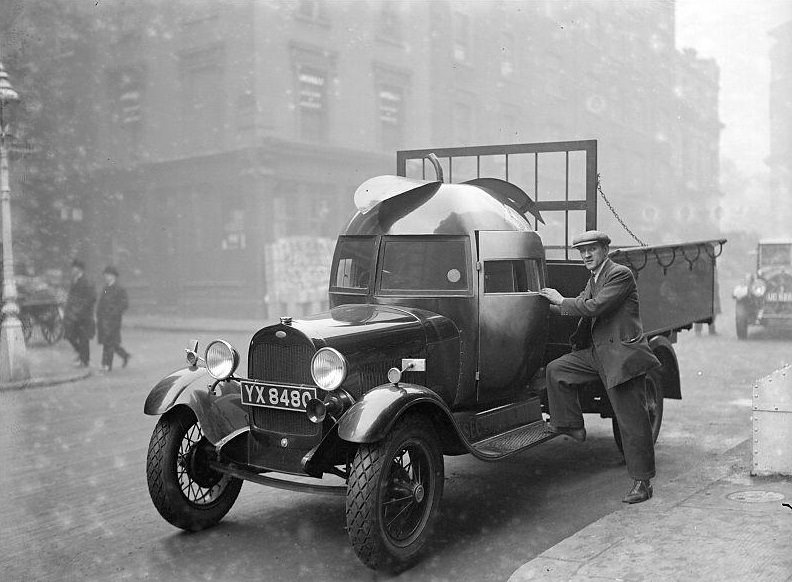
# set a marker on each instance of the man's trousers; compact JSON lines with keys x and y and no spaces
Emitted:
{"x":568,"y":373}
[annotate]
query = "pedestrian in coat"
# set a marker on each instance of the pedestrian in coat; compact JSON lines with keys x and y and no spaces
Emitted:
{"x":78,"y":318}
{"x":112,"y":303}
{"x":609,"y":346}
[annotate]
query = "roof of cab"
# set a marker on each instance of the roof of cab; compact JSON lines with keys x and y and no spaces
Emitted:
{"x":405,"y":206}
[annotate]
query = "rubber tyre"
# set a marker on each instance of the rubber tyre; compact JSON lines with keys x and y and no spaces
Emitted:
{"x":184,"y":490}
{"x":405,"y":467}
{"x":741,"y":321}
{"x":654,"y":403}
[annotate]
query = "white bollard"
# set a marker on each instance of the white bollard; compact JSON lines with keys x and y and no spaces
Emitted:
{"x":772,"y":424}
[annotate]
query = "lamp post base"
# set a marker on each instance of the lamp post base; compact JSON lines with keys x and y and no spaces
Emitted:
{"x":13,"y":355}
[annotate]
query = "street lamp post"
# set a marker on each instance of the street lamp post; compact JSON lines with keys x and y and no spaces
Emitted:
{"x":13,"y":357}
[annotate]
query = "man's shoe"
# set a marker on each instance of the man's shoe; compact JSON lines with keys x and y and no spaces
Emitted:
{"x":641,"y":491}
{"x":579,"y":434}
{"x":125,"y":359}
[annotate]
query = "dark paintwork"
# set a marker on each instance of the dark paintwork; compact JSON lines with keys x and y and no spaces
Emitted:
{"x":216,"y":404}
{"x":370,"y":333}
{"x":435,"y":209}
{"x":480,"y":349}
{"x":371,"y":418}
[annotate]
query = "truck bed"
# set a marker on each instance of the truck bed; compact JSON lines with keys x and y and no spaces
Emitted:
{"x":676,"y":287}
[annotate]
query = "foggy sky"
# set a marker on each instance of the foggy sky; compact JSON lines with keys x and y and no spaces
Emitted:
{"x":735,"y":34}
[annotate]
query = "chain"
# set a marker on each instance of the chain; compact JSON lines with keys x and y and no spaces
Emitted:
{"x":616,"y":214}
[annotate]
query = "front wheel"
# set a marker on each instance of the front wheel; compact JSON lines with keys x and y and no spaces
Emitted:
{"x":654,"y":404}
{"x":184,"y":489}
{"x":393,"y":495}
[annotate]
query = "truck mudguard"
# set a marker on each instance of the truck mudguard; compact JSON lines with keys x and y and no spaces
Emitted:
{"x":216,"y":404}
{"x":664,"y":351}
{"x":371,"y":417}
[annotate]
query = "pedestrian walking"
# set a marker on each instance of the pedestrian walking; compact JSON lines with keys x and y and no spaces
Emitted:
{"x":609,"y":346}
{"x":112,"y":303}
{"x":78,"y":319}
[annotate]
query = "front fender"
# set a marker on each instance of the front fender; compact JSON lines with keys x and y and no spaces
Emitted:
{"x":216,"y":404}
{"x":371,"y":417}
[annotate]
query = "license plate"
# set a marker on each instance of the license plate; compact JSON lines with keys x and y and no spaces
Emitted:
{"x":779,"y":297}
{"x":277,"y":396}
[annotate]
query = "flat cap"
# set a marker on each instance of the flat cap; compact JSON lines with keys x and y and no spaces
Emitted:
{"x":589,"y":237}
{"x":111,"y":270}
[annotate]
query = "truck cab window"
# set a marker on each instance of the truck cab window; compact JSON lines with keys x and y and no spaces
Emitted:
{"x":424,"y":267}
{"x":352,"y":264}
{"x":771,"y":255}
{"x":512,"y":276}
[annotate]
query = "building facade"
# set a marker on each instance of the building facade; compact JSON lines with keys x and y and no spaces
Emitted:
{"x":232,"y":135}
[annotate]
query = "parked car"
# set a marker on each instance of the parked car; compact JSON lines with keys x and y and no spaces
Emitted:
{"x":765,"y":298}
{"x":434,"y":344}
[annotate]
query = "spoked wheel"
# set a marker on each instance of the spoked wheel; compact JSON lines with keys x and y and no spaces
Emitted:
{"x":52,"y":326}
{"x":654,"y":403}
{"x":27,"y":325}
{"x":393,"y":495}
{"x":184,"y":489}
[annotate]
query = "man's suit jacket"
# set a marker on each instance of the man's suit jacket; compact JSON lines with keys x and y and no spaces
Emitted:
{"x":78,"y":316}
{"x":611,"y":324}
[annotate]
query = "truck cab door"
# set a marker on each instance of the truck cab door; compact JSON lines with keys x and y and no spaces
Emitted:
{"x":513,"y":318}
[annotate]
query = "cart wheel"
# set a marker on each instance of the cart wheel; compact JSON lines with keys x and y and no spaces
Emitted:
{"x":393,"y":495}
{"x":52,"y":328}
{"x":27,"y":325}
{"x":654,"y":404}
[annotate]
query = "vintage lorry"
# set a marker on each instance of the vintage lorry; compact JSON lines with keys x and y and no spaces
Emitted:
{"x":765,"y":298}
{"x":434,"y":344}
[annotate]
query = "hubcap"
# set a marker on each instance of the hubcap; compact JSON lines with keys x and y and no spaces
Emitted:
{"x":418,"y":493}
{"x":199,"y":484}
{"x":406,"y":506}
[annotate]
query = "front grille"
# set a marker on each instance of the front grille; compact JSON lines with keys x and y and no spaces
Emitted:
{"x":777,"y":295}
{"x":286,"y":361}
{"x":284,"y":421}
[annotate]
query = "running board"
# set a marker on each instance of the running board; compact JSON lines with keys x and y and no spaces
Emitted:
{"x":513,"y":441}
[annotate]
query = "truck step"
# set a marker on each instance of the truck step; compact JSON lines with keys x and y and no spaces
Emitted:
{"x":512,"y":441}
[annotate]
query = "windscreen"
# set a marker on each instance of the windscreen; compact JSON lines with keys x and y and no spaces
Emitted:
{"x":425,"y":266}
{"x":775,"y":254}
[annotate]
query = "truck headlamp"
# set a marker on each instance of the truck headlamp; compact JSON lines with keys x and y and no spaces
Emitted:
{"x":221,"y":359}
{"x":740,"y":291}
{"x":328,"y":369}
{"x":758,"y":288}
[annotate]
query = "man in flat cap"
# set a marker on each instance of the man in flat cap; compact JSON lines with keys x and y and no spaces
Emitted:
{"x":608,"y":345}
